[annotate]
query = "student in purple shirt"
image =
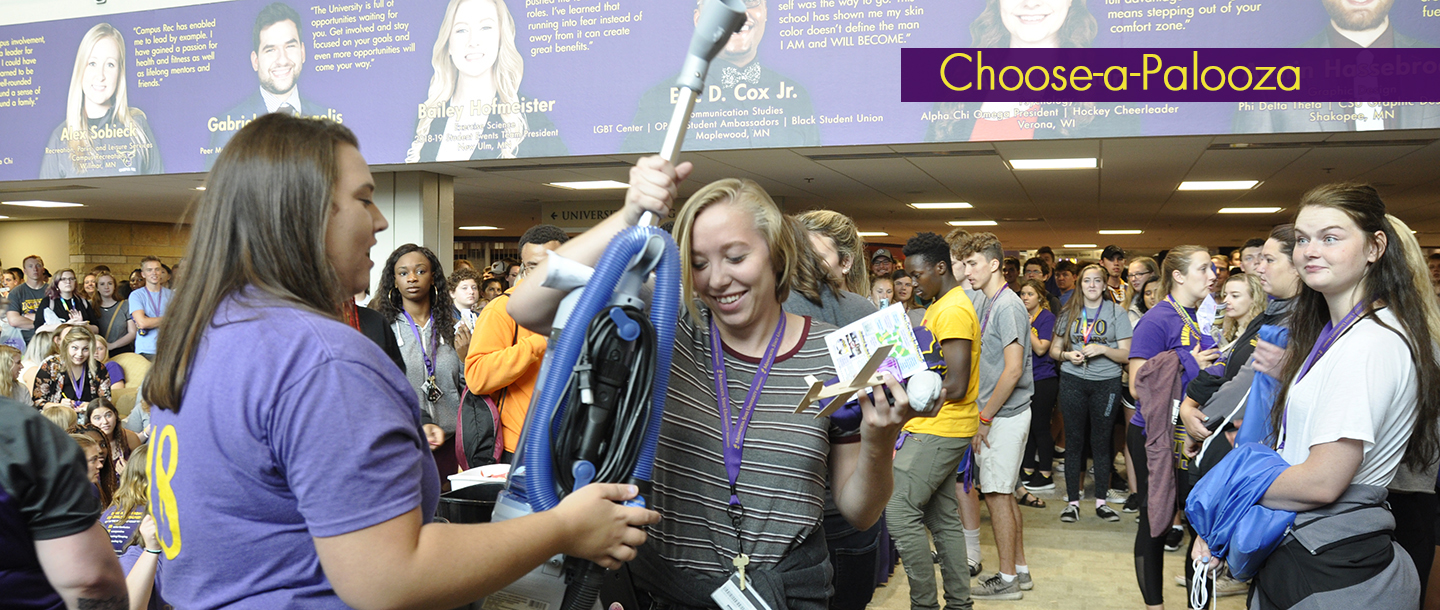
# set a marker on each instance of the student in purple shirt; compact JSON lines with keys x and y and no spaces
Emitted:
{"x":1186,"y":277}
{"x":1040,"y":449}
{"x":287,"y":467}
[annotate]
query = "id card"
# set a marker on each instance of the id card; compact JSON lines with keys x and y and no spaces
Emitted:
{"x":730,"y":597}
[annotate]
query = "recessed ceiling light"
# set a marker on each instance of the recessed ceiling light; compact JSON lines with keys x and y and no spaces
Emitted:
{"x":1249,"y":210}
{"x":1085,"y":163}
{"x":199,"y":188}
{"x":586,"y":185}
{"x":44,"y":204}
{"x":872,"y":234}
{"x":480,"y":228}
{"x":8,"y":218}
{"x":1080,"y":245}
{"x":1217,"y":185}
{"x":1120,"y":231}
{"x":954,"y":205}
{"x":971,"y":223}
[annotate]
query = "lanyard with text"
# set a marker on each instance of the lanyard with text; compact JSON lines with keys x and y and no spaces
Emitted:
{"x":432,"y":391}
{"x":1033,"y":316}
{"x":991,"y":308}
{"x":1328,"y":336}
{"x":1190,"y":323}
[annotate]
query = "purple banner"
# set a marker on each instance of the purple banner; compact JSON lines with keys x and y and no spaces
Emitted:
{"x":1171,"y":75}
{"x":419,"y":81}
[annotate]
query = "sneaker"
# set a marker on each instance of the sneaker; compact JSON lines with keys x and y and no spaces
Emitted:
{"x":1227,"y":586}
{"x":1118,"y":482}
{"x":1117,"y":496}
{"x":1132,"y":504}
{"x":1071,"y":514}
{"x":1026,"y":583}
{"x":974,"y":567}
{"x":1039,"y":482}
{"x":995,"y":587}
{"x":1107,"y":513}
{"x":1174,"y":537}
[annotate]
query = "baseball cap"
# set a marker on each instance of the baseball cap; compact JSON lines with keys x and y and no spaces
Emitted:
{"x":1112,"y":251}
{"x":882,"y":253}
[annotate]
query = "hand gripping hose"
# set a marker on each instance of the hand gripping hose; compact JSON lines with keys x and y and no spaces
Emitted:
{"x":549,"y":404}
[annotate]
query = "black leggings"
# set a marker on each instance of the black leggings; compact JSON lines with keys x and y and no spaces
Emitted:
{"x":1094,"y":404}
{"x":1150,"y":552}
{"x":1040,"y":448}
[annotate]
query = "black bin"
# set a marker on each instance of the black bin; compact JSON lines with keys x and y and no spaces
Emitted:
{"x":471,"y":504}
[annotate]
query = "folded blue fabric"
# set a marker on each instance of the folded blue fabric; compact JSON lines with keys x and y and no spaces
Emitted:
{"x":1224,"y":508}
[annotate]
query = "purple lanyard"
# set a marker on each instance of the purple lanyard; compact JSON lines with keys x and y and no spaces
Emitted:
{"x":991,"y":309}
{"x":151,"y":309}
{"x":733,"y":434}
{"x":77,"y":384}
{"x":1329,"y":335}
{"x":434,"y":347}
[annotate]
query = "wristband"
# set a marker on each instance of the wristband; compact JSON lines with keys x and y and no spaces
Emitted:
{"x":155,"y":552}
{"x":986,"y":421}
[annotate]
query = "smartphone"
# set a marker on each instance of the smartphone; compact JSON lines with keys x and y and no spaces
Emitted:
{"x":884,"y":303}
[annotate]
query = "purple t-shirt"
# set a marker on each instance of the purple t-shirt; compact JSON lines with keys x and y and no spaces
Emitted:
{"x":292,"y":426}
{"x":1043,"y":326}
{"x":1160,"y":330}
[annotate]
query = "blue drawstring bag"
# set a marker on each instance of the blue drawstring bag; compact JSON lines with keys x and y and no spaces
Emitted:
{"x":1224,"y":508}
{"x":1262,"y":393}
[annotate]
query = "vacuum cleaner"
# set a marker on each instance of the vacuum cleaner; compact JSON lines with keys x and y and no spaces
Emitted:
{"x":596,"y":413}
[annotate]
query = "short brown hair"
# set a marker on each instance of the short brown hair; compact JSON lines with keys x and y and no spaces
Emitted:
{"x":982,"y":243}
{"x":956,"y":238}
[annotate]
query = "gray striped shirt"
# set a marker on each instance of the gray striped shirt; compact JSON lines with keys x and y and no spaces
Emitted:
{"x":783,"y":472}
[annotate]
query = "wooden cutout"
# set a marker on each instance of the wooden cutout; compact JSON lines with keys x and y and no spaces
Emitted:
{"x":863,"y":379}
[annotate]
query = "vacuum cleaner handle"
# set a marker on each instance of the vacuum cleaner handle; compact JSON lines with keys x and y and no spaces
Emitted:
{"x":718,"y":20}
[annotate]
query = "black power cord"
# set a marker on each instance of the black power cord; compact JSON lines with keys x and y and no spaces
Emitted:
{"x":606,"y":413}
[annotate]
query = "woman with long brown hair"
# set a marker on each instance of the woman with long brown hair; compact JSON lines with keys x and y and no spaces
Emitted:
{"x":112,"y":315}
{"x":106,"y":418}
{"x":329,"y":486}
{"x":1092,"y":339}
{"x":1356,"y":411}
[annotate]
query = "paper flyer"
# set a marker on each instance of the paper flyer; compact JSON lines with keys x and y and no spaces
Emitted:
{"x":852,"y":345}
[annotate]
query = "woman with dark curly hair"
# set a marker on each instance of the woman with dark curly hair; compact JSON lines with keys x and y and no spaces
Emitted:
{"x":415,"y":301}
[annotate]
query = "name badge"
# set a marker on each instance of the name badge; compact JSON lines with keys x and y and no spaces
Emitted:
{"x":730,"y":597}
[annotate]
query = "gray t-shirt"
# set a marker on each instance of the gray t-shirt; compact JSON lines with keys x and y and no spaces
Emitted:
{"x":1111,"y":326}
{"x":26,"y":300}
{"x":1005,"y":321}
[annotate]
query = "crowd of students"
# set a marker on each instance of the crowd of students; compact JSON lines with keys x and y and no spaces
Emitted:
{"x":306,"y":469}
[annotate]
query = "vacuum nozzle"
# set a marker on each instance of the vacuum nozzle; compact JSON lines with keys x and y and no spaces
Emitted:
{"x":718,"y":20}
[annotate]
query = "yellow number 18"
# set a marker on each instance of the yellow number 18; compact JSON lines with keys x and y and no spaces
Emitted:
{"x":164,"y":457}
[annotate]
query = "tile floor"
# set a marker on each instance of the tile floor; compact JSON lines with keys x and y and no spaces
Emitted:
{"x":1084,"y":565}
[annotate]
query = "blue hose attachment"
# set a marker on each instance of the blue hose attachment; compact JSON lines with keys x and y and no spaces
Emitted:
{"x":565,"y":352}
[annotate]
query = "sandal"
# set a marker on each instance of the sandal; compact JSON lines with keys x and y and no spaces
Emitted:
{"x":1030,"y":500}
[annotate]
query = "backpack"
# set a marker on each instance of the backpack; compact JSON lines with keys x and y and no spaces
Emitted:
{"x":479,"y":438}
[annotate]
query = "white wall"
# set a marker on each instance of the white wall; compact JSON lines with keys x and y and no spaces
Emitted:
{"x":50,"y":239}
{"x":31,"y":11}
